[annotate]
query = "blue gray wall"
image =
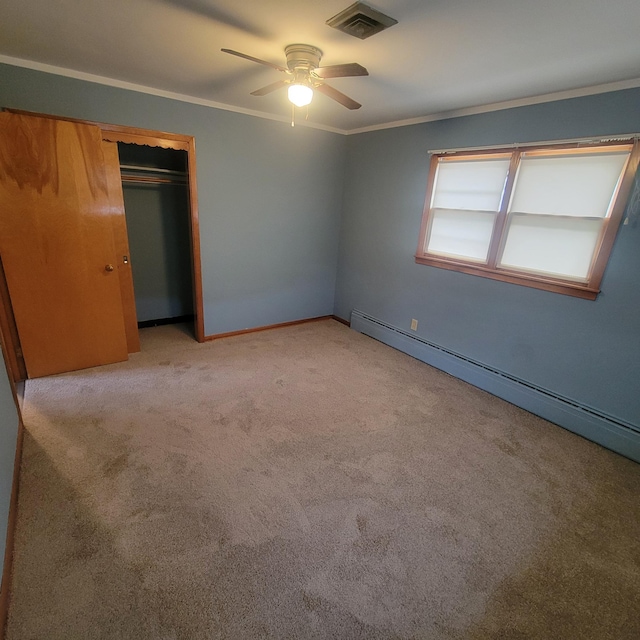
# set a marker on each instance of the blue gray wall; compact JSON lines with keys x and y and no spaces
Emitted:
{"x":158,"y":231}
{"x":588,"y":351}
{"x":8,"y":440}
{"x":269,"y":195}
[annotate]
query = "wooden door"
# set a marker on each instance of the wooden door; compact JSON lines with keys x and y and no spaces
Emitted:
{"x":121,"y":245}
{"x":56,"y":243}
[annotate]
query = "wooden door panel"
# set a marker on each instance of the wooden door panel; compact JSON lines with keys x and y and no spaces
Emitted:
{"x":121,"y":242}
{"x":56,"y":241}
{"x":9,"y":331}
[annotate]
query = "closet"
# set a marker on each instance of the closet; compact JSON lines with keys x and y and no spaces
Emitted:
{"x":67,"y":298}
{"x":156,"y":204}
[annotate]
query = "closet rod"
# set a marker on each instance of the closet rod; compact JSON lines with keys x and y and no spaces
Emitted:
{"x":133,"y":167}
{"x":145,"y":180}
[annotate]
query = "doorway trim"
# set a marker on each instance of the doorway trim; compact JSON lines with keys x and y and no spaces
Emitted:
{"x":146,"y":137}
{"x":116,"y":133}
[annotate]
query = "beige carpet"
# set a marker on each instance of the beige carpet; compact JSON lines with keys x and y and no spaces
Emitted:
{"x":310,"y":482}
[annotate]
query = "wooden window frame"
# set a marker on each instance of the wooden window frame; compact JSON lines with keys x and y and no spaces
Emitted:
{"x":491,"y":269}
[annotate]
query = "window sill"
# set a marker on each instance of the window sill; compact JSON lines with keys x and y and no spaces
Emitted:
{"x":536,"y":282}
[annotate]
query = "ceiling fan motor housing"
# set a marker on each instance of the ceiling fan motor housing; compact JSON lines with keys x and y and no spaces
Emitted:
{"x":302,"y":57}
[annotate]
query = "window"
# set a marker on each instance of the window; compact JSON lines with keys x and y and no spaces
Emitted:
{"x":544,"y":217}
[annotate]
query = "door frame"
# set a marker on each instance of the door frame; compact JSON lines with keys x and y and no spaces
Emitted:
{"x":131,"y":135}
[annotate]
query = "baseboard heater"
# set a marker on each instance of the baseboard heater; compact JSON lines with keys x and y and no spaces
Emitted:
{"x":610,"y":432}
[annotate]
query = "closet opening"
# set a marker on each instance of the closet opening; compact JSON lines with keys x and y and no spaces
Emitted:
{"x":83,"y":312}
{"x":155,"y":186}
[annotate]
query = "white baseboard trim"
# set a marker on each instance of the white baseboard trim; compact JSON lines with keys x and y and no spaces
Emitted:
{"x":610,"y":432}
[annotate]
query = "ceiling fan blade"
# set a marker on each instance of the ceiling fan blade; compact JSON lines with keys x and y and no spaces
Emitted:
{"x":341,"y":71}
{"x":334,"y":94}
{"x":246,"y":57}
{"x":269,"y":88}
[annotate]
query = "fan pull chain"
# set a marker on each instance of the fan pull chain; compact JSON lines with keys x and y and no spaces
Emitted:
{"x":293,"y":115}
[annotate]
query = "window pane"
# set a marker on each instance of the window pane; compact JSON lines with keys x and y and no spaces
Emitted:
{"x":550,"y":245}
{"x":570,"y":185}
{"x":461,"y":234}
{"x":472,"y":184}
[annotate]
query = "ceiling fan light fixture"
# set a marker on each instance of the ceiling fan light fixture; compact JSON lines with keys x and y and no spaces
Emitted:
{"x":300,"y":94}
{"x":305,"y":75}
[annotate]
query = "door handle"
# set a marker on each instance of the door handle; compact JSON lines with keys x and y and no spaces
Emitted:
{"x":108,"y":267}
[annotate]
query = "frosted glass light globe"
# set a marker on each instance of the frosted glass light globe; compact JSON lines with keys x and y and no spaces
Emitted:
{"x":300,"y":94}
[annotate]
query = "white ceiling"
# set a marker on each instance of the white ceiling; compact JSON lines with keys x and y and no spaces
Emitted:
{"x":443,"y":56}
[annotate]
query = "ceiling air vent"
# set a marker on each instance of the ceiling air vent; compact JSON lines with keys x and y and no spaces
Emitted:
{"x":361,"y":21}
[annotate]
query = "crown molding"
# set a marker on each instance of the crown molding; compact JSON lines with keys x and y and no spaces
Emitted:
{"x":442,"y":115}
{"x":161,"y":93}
{"x":620,"y":85}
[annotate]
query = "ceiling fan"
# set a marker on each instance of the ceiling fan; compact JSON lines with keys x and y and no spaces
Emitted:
{"x":305,"y":75}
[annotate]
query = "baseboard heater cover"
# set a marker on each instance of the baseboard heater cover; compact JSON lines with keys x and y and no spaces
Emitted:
{"x":608,"y":431}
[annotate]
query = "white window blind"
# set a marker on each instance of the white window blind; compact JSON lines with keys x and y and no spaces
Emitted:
{"x":570,"y":185}
{"x":551,"y":245}
{"x":466,"y":199}
{"x":476,"y":184}
{"x":557,"y":210}
{"x":464,"y":234}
